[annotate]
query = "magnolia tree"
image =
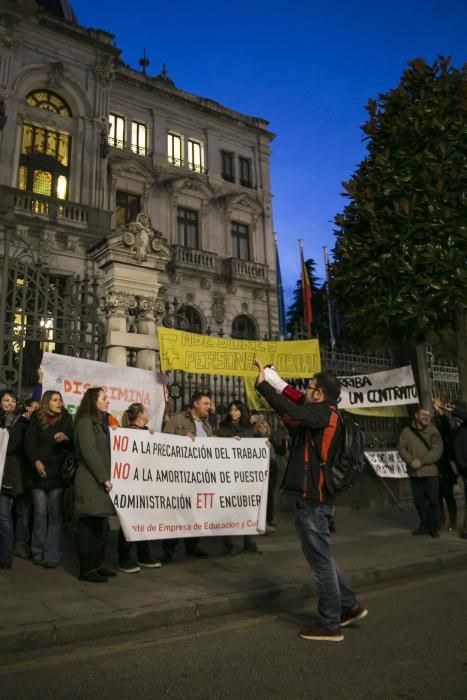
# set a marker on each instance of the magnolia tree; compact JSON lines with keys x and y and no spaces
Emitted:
{"x":400,"y":269}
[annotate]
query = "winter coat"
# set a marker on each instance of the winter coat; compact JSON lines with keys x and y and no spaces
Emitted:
{"x":13,"y":482}
{"x":40,"y":445}
{"x":182,"y":423}
{"x":411,"y":446}
{"x":309,"y":424}
{"x":460,"y":441}
{"x":92,"y":446}
{"x":231,"y":429}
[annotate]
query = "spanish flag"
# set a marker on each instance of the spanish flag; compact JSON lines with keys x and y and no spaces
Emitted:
{"x":306,"y":295}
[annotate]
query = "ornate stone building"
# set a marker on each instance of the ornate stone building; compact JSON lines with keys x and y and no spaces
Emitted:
{"x":124,"y":201}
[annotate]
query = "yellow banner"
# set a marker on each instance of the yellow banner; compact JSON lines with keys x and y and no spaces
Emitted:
{"x":203,"y":354}
{"x":254,"y":400}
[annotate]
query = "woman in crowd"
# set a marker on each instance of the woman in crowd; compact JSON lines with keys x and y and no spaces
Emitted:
{"x":93,"y":505}
{"x":47,"y":441}
{"x":13,"y":482}
{"x":136,"y":417}
{"x":237,"y":423}
{"x":262,"y":430}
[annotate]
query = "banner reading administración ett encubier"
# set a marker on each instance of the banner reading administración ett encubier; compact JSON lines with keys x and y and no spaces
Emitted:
{"x":203,"y":354}
{"x":170,"y":486}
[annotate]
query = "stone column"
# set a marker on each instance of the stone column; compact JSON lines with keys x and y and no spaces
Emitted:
{"x":146,"y":325}
{"x":116,"y":305}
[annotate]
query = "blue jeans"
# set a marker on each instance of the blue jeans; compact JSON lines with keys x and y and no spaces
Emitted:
{"x":312,"y":522}
{"x":47,"y":524}
{"x":23,"y":507}
{"x":6,"y":529}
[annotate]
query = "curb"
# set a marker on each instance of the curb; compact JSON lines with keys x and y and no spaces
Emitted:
{"x":265,"y":599}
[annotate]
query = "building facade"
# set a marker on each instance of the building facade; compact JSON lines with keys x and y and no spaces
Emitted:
{"x":124,"y":202}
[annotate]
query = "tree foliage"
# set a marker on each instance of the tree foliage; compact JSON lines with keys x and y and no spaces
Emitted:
{"x":400,"y":259}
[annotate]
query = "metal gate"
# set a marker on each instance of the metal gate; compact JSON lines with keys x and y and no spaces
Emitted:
{"x":41,"y":311}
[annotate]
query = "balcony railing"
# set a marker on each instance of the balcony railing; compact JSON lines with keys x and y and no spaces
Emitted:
{"x":193,"y":258}
{"x":74,"y":214}
{"x":245,"y":270}
{"x":125,"y":146}
{"x":40,"y":205}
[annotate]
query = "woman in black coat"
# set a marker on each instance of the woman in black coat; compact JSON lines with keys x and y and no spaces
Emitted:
{"x":48,"y":440}
{"x":12,"y":483}
{"x":237,"y":423}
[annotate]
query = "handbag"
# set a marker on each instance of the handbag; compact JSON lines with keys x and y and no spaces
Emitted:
{"x":69,"y":468}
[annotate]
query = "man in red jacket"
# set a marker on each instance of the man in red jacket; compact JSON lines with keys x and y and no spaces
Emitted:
{"x":315,"y":426}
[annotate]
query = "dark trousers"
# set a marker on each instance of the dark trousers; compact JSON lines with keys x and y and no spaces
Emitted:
{"x":271,"y":488}
{"x":425,"y":491}
{"x":127,"y":551}
{"x":92,"y":534}
{"x":446,"y":493}
{"x":191,"y":543}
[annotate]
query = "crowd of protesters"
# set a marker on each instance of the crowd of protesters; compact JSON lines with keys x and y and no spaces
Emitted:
{"x":43,"y":438}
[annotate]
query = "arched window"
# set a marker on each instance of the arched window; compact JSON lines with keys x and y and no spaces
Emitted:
{"x":191,"y":319}
{"x":45,"y":154}
{"x":243,"y":328}
{"x":44,"y":99}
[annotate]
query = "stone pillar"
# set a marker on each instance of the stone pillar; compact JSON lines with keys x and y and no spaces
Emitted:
{"x":146,"y":325}
{"x":116,"y":305}
{"x":130,"y":262}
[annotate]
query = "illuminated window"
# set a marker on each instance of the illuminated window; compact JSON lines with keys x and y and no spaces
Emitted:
{"x":139,"y":143}
{"x":22,"y":177}
{"x":175,"y":149}
{"x":44,"y":160}
{"x":42,"y":183}
{"x":128,"y":206}
{"x":187,"y":221}
{"x":195,"y":156}
{"x":117,"y":131}
{"x":43,"y":99}
{"x":240,"y":241}
{"x":62,"y":184}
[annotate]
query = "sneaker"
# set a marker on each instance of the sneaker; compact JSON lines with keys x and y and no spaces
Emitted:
{"x":358,"y":612}
{"x":129,"y":568}
{"x":167,"y":557}
{"x":22,"y":551}
{"x":50,"y":564}
{"x":434,"y":533}
{"x":93,"y":577}
{"x":108,"y":573}
{"x":322,"y":634}
{"x":150,"y":564}
{"x":269,"y":530}
{"x":420,"y":531}
{"x":38,"y":561}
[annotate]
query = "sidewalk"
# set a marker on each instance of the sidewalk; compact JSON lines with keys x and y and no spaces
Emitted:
{"x":40,"y":607}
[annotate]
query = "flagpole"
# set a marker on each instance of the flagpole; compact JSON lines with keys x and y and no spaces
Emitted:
{"x":328,"y":290}
{"x":306,"y":293}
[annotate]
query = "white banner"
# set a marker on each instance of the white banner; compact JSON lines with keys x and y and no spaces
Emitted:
{"x":4,"y":435}
{"x":394,"y":387}
{"x":71,"y":376}
{"x":387,"y":464}
{"x":167,"y":486}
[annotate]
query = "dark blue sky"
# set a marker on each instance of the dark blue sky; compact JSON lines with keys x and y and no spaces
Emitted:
{"x":309,"y":67}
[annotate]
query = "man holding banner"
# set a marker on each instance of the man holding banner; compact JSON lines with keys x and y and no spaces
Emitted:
{"x":314,"y":424}
{"x":192,"y":423}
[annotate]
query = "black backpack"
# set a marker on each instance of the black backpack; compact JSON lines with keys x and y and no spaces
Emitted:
{"x":346,"y":459}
